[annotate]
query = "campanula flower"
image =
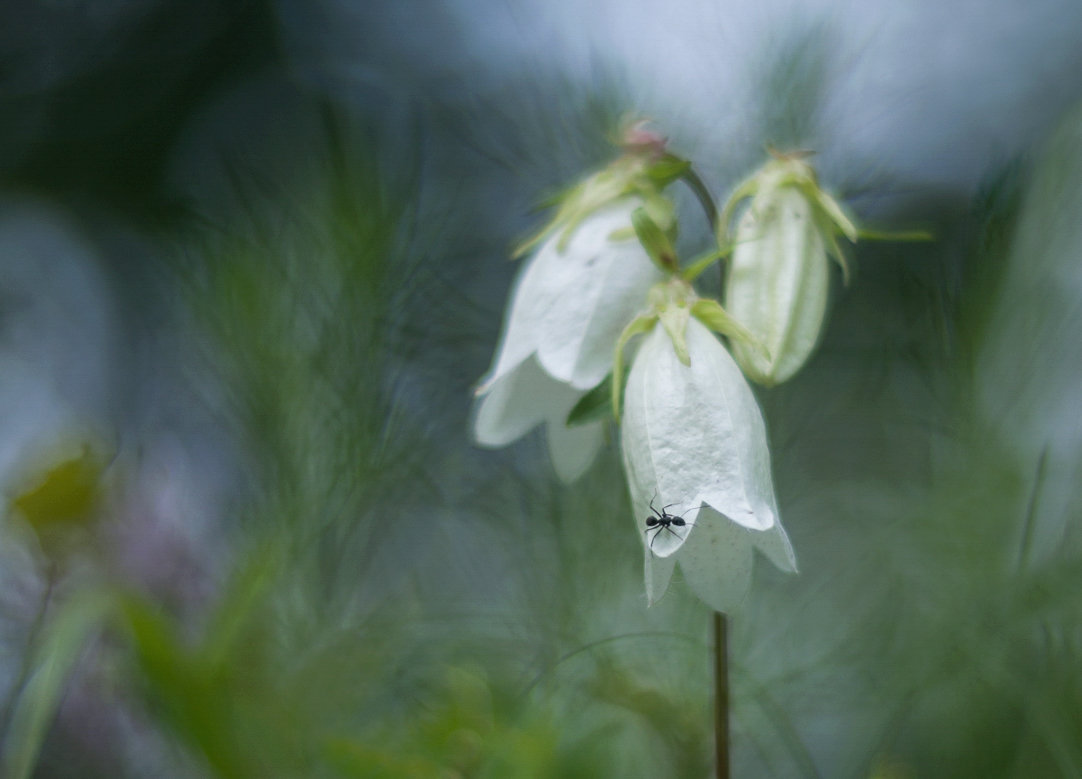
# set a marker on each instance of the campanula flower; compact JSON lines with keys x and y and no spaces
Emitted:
{"x":694,"y":446}
{"x":570,"y":303}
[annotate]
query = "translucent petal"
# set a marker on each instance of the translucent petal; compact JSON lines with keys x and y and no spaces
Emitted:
{"x":717,"y":561}
{"x":572,"y":448}
{"x":518,"y":401}
{"x":527,"y":396}
{"x":774,"y":543}
{"x":658,"y":571}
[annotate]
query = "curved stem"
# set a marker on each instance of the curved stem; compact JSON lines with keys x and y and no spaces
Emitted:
{"x":721,"y":695}
{"x":698,"y":187}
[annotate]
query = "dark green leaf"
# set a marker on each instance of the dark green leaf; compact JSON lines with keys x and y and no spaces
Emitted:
{"x":593,"y":406}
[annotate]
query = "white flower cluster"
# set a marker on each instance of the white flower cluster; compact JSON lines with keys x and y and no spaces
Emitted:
{"x":692,"y":436}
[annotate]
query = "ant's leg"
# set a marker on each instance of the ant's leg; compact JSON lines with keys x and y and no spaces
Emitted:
{"x":681,"y":537}
{"x":656,"y":530}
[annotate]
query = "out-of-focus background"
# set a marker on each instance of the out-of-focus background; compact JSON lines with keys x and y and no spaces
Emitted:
{"x":253,"y":260}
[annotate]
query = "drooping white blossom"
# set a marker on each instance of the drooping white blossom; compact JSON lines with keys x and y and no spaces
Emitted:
{"x":569,"y":306}
{"x":694,"y":441}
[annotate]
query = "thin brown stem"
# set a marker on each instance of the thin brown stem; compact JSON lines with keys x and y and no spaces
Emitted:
{"x":721,"y":694}
{"x":702,"y":194}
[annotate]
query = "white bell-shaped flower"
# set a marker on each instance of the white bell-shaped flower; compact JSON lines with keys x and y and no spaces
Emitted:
{"x":695,"y":449}
{"x":569,"y":306}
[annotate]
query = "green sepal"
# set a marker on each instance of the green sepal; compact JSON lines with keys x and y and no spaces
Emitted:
{"x":833,"y":210}
{"x":711,"y":314}
{"x":667,"y":169}
{"x":674,"y":319}
{"x":622,"y":234}
{"x":625,"y":176}
{"x":661,"y":210}
{"x":595,"y":192}
{"x":830,"y":238}
{"x":895,"y":235}
{"x":745,"y":189}
{"x":699,"y":264}
{"x":578,"y":203}
{"x":637,"y":326}
{"x":654,"y":240}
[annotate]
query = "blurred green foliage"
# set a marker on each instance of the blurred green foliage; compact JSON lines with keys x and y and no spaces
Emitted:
{"x":69,"y":491}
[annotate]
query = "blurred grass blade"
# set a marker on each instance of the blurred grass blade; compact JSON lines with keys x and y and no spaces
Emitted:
{"x":63,"y":644}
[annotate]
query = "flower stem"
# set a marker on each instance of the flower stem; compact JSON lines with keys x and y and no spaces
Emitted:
{"x":721,"y":694}
{"x":698,"y":187}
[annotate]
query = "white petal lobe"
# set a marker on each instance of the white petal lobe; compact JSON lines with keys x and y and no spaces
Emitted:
{"x":585,"y":295}
{"x":572,"y":448}
{"x":658,"y":575}
{"x":717,"y":565}
{"x":517,"y":402}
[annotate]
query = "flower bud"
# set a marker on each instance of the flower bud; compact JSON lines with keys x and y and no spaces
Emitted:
{"x":779,"y":274}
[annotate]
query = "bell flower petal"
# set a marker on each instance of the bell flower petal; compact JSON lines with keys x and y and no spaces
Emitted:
{"x":572,"y":449}
{"x":717,"y":561}
{"x":694,"y":447}
{"x":527,"y":396}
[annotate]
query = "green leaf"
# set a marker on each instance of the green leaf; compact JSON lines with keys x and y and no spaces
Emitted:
{"x":654,"y":240}
{"x":190,"y":692}
{"x":593,"y":406}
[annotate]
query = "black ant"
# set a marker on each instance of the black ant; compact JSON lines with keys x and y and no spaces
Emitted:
{"x":663,"y":520}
